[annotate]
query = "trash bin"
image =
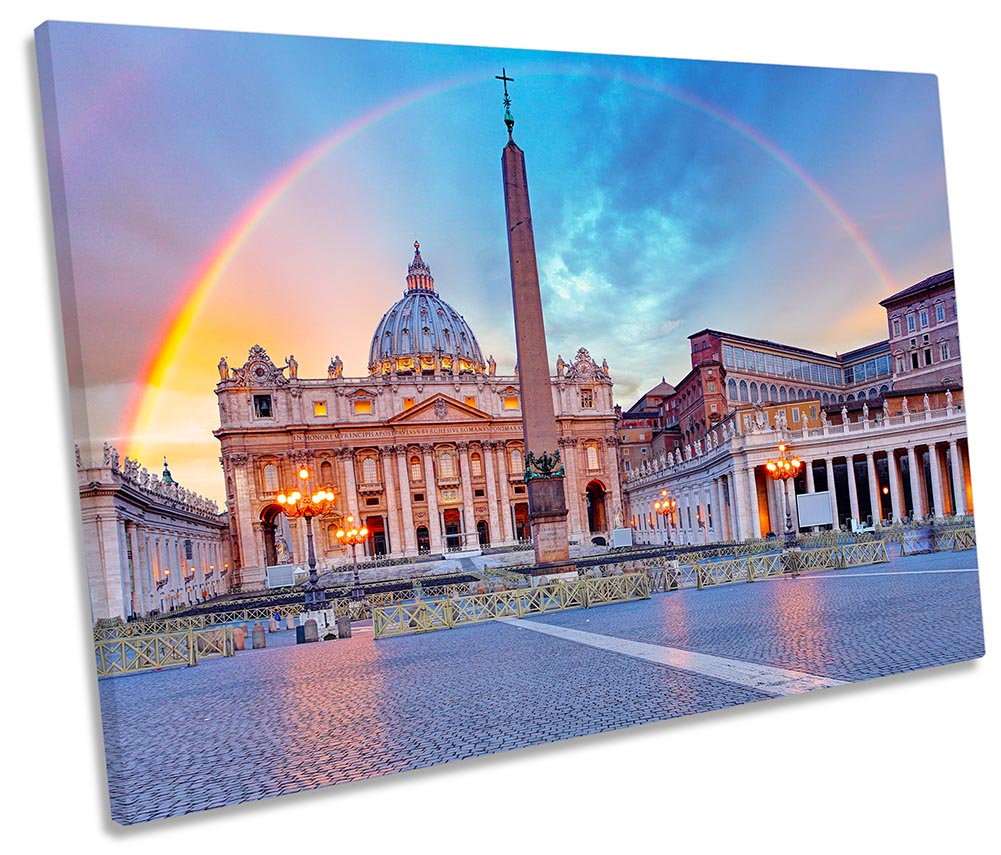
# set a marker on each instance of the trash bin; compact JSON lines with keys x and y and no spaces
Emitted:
{"x":300,"y":635}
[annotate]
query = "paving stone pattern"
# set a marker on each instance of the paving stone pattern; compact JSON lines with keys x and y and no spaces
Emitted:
{"x":296,"y":717}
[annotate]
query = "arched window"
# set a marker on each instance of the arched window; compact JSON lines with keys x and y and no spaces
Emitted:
{"x":369,"y":471}
{"x":851,"y":397}
{"x":326,"y":473}
{"x":731,"y":389}
{"x":873,"y":393}
{"x":802,"y":394}
{"x":446,"y":465}
{"x":884,"y":389}
{"x":773,"y":393}
{"x":783,"y":395}
{"x":754,"y":392}
{"x":743,"y":390}
{"x":517,"y":460}
{"x":416,"y":472}
{"x":591,"y":453}
{"x":476,"y":464}
{"x":824,"y":398}
{"x":270,"y":477}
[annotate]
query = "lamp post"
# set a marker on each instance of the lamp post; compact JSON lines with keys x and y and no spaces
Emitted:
{"x":352,"y":536}
{"x":781,"y":469}
{"x":313,"y":504}
{"x":666,"y":506}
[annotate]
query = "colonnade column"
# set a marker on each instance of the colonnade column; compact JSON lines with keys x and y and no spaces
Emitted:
{"x":789,"y":485}
{"x":958,"y":478}
{"x":896,"y":496}
{"x":568,"y":452}
{"x":935,"y":465}
{"x":614,"y":488}
{"x":488,"y":467}
{"x":874,"y":496}
{"x":832,"y":492}
{"x":505,"y":488}
{"x":755,"y":518}
{"x":468,"y":512}
{"x":396,"y":543}
{"x":434,"y":523}
{"x":917,"y":487}
{"x":406,"y":506}
{"x":719,"y":527}
{"x":738,"y":507}
{"x":852,"y":488}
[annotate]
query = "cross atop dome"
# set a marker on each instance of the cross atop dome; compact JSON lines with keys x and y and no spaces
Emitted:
{"x":418,"y":273}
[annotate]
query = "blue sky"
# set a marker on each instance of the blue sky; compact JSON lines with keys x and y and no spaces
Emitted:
{"x":667,"y":196}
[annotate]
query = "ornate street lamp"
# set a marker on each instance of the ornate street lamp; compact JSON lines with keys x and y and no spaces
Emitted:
{"x":313,"y":504}
{"x":666,"y":506}
{"x":782,"y":468}
{"x":352,"y":536}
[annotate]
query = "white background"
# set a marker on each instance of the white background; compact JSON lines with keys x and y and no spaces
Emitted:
{"x":902,"y":764}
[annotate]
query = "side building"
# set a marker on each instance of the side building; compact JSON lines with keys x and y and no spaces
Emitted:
{"x":426,"y":450}
{"x":150,"y":545}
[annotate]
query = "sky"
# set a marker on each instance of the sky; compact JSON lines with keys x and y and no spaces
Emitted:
{"x":225,"y":190}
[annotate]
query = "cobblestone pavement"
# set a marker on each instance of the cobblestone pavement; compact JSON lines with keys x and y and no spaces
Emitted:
{"x":296,"y":717}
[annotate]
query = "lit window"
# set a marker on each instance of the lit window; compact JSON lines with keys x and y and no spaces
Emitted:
{"x":943,"y":350}
{"x":476,"y":465}
{"x":270,"y":477}
{"x":262,"y":406}
{"x":586,"y":398}
{"x":416,"y":473}
{"x":517,"y":461}
{"x":408,"y":403}
{"x":319,"y":408}
{"x":362,"y":407}
{"x":470,"y":401}
{"x":510,"y":403}
{"x":368,"y":471}
{"x":592,"y":457}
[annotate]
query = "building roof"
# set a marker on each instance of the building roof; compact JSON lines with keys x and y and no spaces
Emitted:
{"x":924,"y":285}
{"x":764,"y":342}
{"x":865,"y":350}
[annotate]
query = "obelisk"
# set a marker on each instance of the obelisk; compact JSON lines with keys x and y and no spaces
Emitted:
{"x":544,"y":473}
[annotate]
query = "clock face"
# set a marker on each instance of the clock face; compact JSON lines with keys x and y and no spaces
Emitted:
{"x":259,"y":371}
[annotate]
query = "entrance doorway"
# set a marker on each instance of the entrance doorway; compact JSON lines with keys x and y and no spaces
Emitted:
{"x":377,"y":540}
{"x":483,"y":532}
{"x":597,"y":519}
{"x":522,"y":530}
{"x":423,"y":539}
{"x":452,"y":521}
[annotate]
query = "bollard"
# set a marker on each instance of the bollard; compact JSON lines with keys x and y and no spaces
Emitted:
{"x":289,"y":622}
{"x":344,"y":626}
{"x":239,"y":638}
{"x":272,"y":625}
{"x":258,"y":636}
{"x":310,"y":632}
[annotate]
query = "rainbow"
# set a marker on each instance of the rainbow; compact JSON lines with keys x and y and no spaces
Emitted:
{"x":139,"y":412}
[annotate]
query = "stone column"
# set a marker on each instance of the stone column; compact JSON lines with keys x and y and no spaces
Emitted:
{"x":505,"y":493}
{"x":396,"y":540}
{"x":874,"y":496}
{"x":496,"y":535}
{"x":347,"y":456}
{"x":251,"y":554}
{"x":406,"y":504}
{"x":755,"y":517}
{"x":832,"y":492}
{"x":958,"y":478}
{"x":810,"y":486}
{"x":935,"y":464}
{"x":434,"y":522}
{"x":614,"y":487}
{"x":568,"y":453}
{"x":852,"y":488}
{"x":719,"y":528}
{"x":896,"y":491}
{"x":468,"y":512}
{"x":790,"y":490}
{"x":919,"y":508}
{"x":738,"y":488}
{"x":138,"y":571}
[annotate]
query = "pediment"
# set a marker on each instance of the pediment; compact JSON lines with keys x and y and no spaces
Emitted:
{"x":439,"y":410}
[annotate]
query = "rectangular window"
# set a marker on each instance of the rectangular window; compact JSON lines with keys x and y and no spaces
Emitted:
{"x":362,"y":407}
{"x":738,"y":356}
{"x":914,"y":360}
{"x":712,"y":408}
{"x":924,"y":318}
{"x":900,"y":365}
{"x":943,"y":350}
{"x":769,"y":363}
{"x":759,"y":359}
{"x":262,"y":406}
{"x":940,"y":312}
{"x":712,"y":387}
{"x":849,"y":375}
{"x":510,"y":403}
{"x":408,"y":403}
{"x":928,"y":356}
{"x":319,"y":408}
{"x":587,"y":398}
{"x":479,"y":494}
{"x":813,"y":413}
{"x":418,"y":497}
{"x":795,"y":414}
{"x":896,"y":327}
{"x":372,"y":501}
{"x":728,"y":355}
{"x":911,"y":325}
{"x":814,"y":372}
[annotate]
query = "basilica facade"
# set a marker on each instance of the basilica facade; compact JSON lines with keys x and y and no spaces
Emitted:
{"x":426,"y":450}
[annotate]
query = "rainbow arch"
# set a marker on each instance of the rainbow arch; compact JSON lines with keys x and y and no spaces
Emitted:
{"x":139,"y":412}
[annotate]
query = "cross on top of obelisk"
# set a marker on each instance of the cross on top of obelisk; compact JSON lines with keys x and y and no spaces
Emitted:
{"x":508,"y":118}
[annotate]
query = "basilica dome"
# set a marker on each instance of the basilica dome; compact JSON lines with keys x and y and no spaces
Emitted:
{"x":421,"y":333}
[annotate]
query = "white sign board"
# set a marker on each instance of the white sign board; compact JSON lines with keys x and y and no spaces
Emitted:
{"x":814,"y":509}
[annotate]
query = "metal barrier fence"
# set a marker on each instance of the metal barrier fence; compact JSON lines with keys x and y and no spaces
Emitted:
{"x":432,"y":615}
{"x":935,"y":539}
{"x":182,"y":624}
{"x":135,"y":654}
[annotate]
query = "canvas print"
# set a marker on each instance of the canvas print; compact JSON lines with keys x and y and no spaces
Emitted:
{"x":433,"y":401}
